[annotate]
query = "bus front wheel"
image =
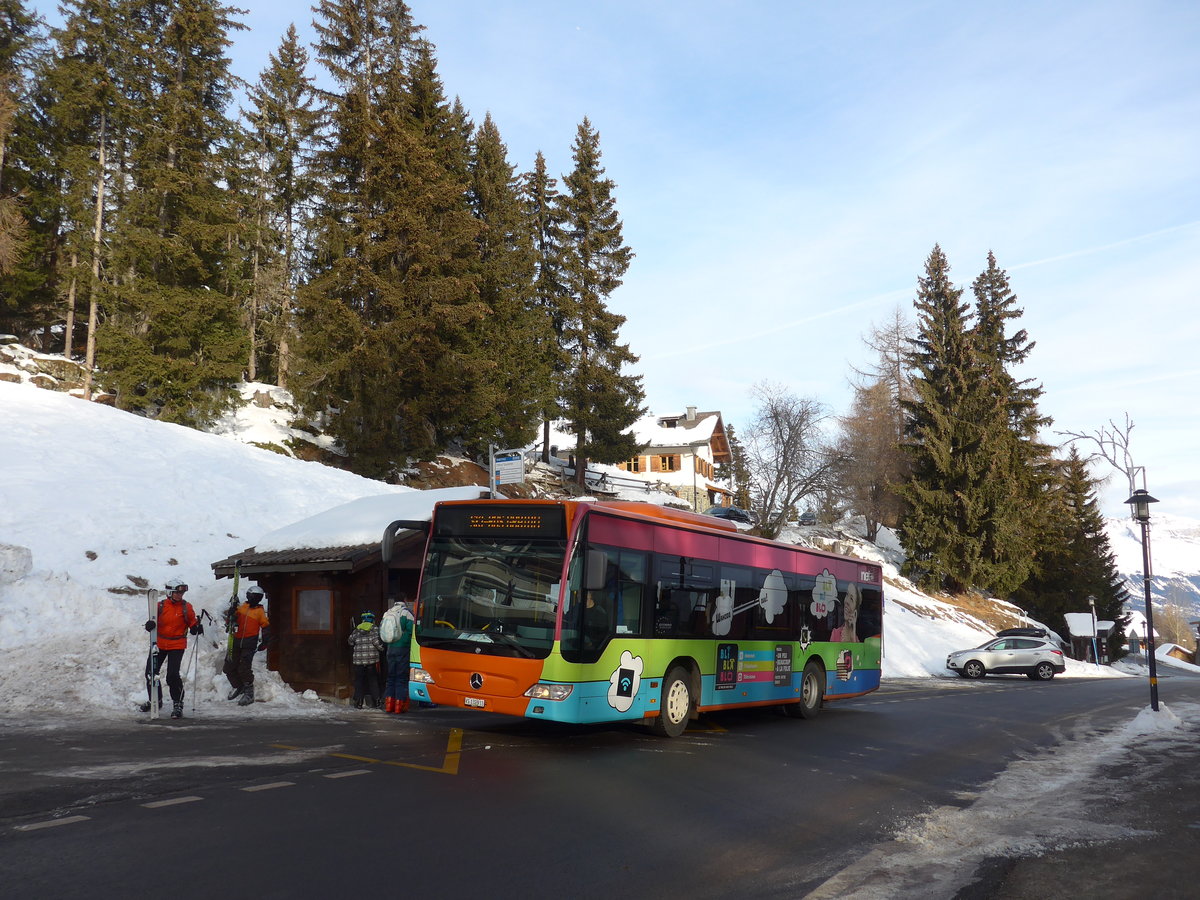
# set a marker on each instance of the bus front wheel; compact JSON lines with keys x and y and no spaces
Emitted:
{"x":676,"y":705}
{"x":812,"y":689}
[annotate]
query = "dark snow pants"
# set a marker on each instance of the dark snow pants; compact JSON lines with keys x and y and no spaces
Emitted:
{"x":173,"y":658}
{"x":366,"y":683}
{"x":239,"y":667}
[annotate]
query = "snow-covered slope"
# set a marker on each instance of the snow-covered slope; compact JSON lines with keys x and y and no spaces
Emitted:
{"x":97,"y":504}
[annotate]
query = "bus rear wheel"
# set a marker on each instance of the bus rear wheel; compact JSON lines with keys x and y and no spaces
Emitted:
{"x":675,"y":708}
{"x":812,"y":689}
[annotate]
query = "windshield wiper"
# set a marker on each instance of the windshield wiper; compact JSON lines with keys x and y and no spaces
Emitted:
{"x":512,"y":642}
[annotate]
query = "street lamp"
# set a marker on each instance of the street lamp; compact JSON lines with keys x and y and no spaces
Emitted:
{"x":1140,"y":508}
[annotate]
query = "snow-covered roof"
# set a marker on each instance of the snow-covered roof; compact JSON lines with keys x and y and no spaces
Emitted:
{"x":361,"y":521}
{"x":687,"y":429}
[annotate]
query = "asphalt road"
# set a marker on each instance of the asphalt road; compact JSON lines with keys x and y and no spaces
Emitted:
{"x":445,"y":803}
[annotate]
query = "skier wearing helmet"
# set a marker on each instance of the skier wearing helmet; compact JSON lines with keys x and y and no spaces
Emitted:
{"x":250,"y":635}
{"x":367,"y":643}
{"x":174,"y":620}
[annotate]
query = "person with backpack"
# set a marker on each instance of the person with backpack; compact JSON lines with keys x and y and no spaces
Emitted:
{"x":366,"y":644}
{"x":175,"y":619}
{"x":396,"y":631}
{"x":249,"y":636}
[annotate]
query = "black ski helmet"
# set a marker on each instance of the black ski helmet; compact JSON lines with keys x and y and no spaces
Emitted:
{"x":254,"y":595}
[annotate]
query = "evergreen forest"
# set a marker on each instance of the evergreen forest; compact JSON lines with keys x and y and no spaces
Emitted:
{"x":364,"y":243}
{"x":343,"y":228}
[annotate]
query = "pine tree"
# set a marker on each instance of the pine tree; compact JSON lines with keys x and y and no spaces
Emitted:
{"x":736,"y":472}
{"x":511,"y":377}
{"x":601,"y":400}
{"x":283,"y":127}
{"x":172,"y":343}
{"x":83,"y":101}
{"x":390,"y":317}
{"x":1020,"y":466}
{"x":28,"y":203}
{"x":1075,"y":561}
{"x":544,"y":215}
{"x":949,"y":446}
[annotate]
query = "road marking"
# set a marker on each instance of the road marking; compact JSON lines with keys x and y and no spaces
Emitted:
{"x":268,"y":787}
{"x":52,"y":823}
{"x":158,"y":804}
{"x":449,"y":764}
{"x":348,"y":774}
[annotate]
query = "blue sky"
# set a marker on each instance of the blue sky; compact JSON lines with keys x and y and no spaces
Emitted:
{"x":784,"y":168}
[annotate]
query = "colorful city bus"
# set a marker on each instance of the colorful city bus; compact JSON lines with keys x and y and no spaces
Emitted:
{"x":599,"y":611}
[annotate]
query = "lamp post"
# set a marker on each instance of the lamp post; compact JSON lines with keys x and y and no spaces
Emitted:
{"x":1140,"y":508}
{"x":1095,"y":636}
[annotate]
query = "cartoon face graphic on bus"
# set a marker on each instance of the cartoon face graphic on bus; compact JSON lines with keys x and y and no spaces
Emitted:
{"x":772,"y":598}
{"x":846,"y":632}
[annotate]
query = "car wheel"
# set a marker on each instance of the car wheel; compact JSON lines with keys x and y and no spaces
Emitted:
{"x":812,"y":689}
{"x":676,"y":705}
{"x":1043,"y":672}
{"x":974,"y":669}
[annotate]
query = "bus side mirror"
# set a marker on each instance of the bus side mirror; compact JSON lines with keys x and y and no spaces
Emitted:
{"x":597,"y":569}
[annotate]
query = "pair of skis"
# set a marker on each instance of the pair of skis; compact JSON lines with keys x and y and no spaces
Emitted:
{"x":153,"y":681}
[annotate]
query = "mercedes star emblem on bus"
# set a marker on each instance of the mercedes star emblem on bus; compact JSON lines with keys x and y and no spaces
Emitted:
{"x":476,"y":680}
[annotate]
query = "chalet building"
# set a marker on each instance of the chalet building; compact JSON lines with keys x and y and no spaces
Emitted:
{"x":322,"y":573}
{"x":682,"y":451}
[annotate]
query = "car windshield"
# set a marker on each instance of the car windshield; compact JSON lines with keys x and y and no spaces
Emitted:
{"x":494,"y":596}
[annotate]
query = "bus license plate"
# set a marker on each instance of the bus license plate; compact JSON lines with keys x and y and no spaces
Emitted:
{"x":477,"y":702}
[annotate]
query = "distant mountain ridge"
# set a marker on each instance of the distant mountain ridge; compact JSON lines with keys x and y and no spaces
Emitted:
{"x":1174,"y":561}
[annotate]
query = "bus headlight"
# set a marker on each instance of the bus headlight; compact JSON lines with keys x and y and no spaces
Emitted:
{"x":420,"y":675}
{"x":542,"y":691}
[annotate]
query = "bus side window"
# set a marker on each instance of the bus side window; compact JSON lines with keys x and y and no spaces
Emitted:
{"x":870,"y":613}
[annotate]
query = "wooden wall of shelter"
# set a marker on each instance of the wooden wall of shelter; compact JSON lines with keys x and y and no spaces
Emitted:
{"x":314,"y":599}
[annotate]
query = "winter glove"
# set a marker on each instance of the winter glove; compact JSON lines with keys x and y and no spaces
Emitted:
{"x":198,"y":628}
{"x":149,"y":624}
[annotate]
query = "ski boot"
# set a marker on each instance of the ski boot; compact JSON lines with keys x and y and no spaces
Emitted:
{"x":177,"y":710}
{"x":235,"y":693}
{"x":247,"y":696}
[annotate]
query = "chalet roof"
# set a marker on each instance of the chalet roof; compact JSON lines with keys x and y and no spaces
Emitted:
{"x":684,"y":430}
{"x":325,"y":559}
{"x":345,"y":538}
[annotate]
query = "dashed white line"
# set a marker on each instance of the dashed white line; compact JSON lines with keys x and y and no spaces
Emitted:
{"x":52,"y":823}
{"x":348,"y":774}
{"x":267,"y":787}
{"x":175,"y":801}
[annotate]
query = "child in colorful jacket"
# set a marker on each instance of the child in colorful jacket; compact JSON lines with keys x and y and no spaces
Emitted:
{"x":365,"y":658}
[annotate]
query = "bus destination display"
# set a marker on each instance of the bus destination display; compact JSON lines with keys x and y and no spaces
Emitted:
{"x":501,"y":520}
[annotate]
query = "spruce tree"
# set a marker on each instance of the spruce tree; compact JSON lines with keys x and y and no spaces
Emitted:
{"x":1019,"y":470}
{"x":391,"y":313}
{"x":550,"y":296}
{"x":1075,"y":561}
{"x":601,"y":399}
{"x":511,"y":377}
{"x":172,"y":343}
{"x":29,"y":225}
{"x":282,"y":125}
{"x":941,"y":529}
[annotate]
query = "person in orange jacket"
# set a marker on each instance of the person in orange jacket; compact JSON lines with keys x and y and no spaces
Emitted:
{"x":250,"y":635}
{"x":174,"y":621}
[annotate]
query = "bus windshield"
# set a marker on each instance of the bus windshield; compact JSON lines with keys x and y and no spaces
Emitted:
{"x":493,"y":595}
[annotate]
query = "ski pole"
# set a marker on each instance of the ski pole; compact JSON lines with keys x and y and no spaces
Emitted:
{"x":195,"y":671}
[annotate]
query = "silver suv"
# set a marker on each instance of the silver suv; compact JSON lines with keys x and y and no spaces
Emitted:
{"x":1037,"y":658}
